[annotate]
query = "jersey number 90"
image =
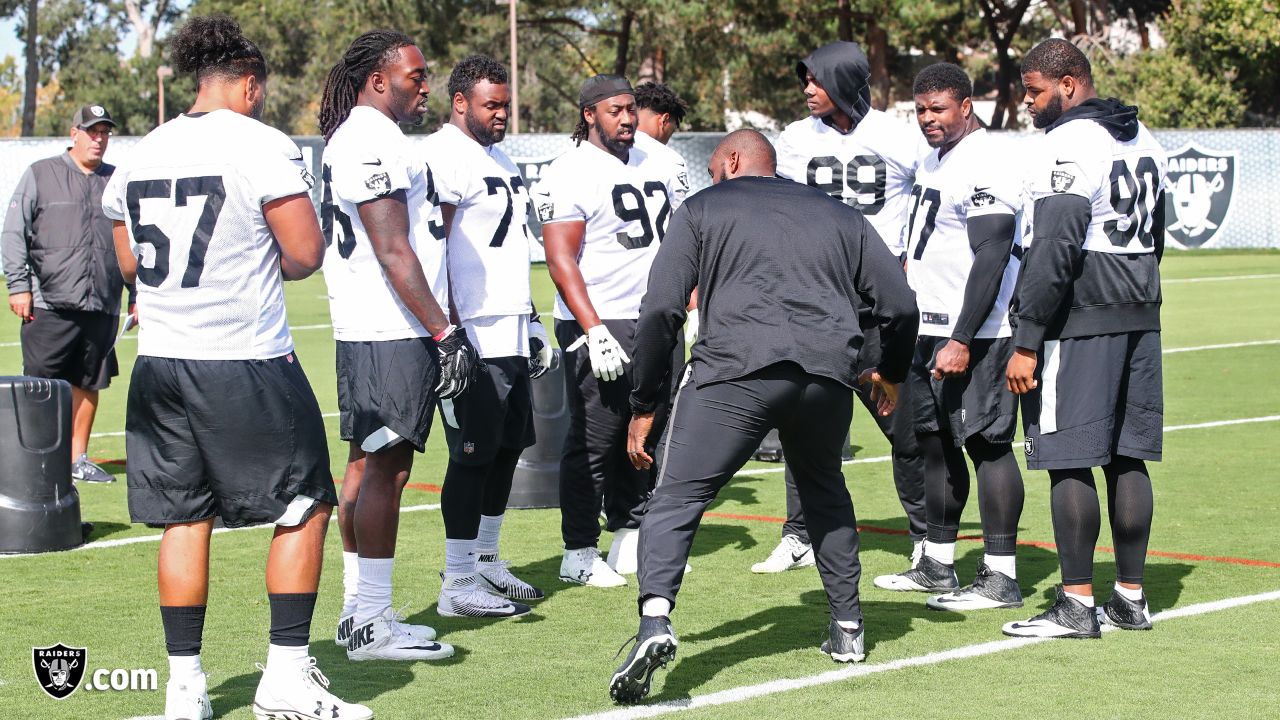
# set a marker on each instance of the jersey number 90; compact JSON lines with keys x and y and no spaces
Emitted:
{"x":1133,"y":196}
{"x":865,"y":176}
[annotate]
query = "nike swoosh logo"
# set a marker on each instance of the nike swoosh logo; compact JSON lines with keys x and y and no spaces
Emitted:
{"x":296,"y":159}
{"x":981,"y":189}
{"x":1019,"y":625}
{"x":376,"y":162}
{"x":1062,"y":162}
{"x":798,"y":558}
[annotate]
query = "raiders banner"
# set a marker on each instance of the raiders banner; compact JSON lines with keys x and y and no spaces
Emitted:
{"x":1198,"y":194}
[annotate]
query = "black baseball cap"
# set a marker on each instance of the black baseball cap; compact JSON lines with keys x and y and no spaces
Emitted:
{"x":90,"y":115}
{"x":599,"y":87}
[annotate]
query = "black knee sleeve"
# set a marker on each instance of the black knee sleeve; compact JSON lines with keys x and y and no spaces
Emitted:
{"x":946,"y":487}
{"x":497,"y":489}
{"x":1130,"y":505}
{"x":461,"y":499}
{"x":1000,"y":494}
{"x":1076,"y":521}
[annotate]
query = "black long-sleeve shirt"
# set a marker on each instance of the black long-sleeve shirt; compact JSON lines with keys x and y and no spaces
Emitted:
{"x":779,"y":267}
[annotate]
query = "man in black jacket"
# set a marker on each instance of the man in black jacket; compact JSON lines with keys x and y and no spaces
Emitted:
{"x":782,"y":269}
{"x":62,"y":276}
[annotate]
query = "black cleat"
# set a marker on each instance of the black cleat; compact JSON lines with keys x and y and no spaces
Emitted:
{"x":655,"y":647}
{"x":990,"y":590}
{"x":1125,"y":614}
{"x":844,"y":645}
{"x":928,"y":575}
{"x":1068,"y":618}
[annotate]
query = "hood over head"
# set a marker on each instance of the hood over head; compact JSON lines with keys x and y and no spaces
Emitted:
{"x":841,"y":68}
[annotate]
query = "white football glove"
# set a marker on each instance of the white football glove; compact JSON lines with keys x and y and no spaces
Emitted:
{"x":607,"y":357}
{"x":539,"y":350}
{"x":691,"y":328}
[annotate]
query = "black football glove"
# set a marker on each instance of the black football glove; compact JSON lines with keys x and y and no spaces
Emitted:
{"x":459,"y":364}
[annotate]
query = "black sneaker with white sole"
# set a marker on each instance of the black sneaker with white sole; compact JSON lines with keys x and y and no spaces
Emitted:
{"x":990,"y":590}
{"x":1125,"y":614}
{"x":928,"y":575}
{"x":655,"y":647}
{"x":1068,"y":618}
{"x":844,"y":645}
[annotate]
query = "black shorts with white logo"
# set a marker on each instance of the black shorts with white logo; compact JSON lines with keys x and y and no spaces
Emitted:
{"x":387,"y":383}
{"x":1098,"y":397}
{"x":495,"y":412}
{"x":71,"y":345}
{"x":237,"y":439}
{"x":977,"y":403}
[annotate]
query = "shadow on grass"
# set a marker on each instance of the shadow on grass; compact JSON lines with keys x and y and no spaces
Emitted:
{"x":103,"y":529}
{"x":1162,"y":582}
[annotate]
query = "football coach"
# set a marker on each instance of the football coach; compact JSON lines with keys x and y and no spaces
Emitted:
{"x":777,"y":265}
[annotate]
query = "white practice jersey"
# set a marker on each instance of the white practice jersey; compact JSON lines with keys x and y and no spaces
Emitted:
{"x":369,"y":157}
{"x":871,"y":168}
{"x":488,"y":244}
{"x":191,"y":193}
{"x":680,"y":189}
{"x":626,"y":208}
{"x":977,"y":177}
{"x":1121,"y":180}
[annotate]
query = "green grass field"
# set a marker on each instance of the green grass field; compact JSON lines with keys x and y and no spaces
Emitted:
{"x":1217,"y":520}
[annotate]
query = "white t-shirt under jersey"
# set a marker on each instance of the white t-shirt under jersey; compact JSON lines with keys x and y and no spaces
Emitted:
{"x":369,"y":157}
{"x":626,"y":207}
{"x":871,"y":168}
{"x":191,"y":193}
{"x":977,"y":177}
{"x":488,"y":244}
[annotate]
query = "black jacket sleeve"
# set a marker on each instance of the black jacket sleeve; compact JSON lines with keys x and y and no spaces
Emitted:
{"x":880,"y":282}
{"x":1157,"y":227}
{"x":991,"y":239}
{"x":1049,"y":267}
{"x":672,"y":277}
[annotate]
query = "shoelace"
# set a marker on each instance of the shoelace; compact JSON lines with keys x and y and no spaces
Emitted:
{"x":501,"y":569}
{"x":479,"y":598}
{"x":633,"y":638}
{"x":312,"y":673}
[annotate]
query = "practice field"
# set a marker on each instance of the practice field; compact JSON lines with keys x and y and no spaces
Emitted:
{"x":748,"y":643}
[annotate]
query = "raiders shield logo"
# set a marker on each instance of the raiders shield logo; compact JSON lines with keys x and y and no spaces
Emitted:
{"x":1061,"y":181}
{"x":59,"y":669}
{"x":1028,"y":447}
{"x":1198,"y":199}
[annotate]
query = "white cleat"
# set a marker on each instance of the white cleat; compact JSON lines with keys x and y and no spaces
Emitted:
{"x":584,"y":567}
{"x":302,"y":694}
{"x":188,"y":701}
{"x":424,"y":633}
{"x":494,"y":576}
{"x":622,"y":554}
{"x":462,"y":596}
{"x":790,"y":554}
{"x":383,"y":639}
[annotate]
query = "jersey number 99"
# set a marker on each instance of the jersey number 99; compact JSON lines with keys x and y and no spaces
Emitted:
{"x":868,"y":192}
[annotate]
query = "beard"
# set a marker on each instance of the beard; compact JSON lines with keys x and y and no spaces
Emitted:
{"x":1050,"y":114}
{"x":615,"y":145}
{"x":483,"y":134}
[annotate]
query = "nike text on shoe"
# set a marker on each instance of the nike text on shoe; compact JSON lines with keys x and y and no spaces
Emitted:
{"x":344,"y":630}
{"x":844,"y":645}
{"x":462,"y":596}
{"x":791,"y":553}
{"x":655,"y":647}
{"x":495,"y":576}
{"x":86,"y":471}
{"x":301,"y":693}
{"x":990,"y":590}
{"x":584,"y":567}
{"x":423,"y":633}
{"x":929,"y":576}
{"x":1125,"y":614}
{"x":187,"y":701}
{"x":1068,"y":618}
{"x":384,"y":639}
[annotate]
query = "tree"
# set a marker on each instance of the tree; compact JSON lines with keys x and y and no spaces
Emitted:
{"x":1169,"y":90}
{"x":1236,"y":39}
{"x":1003,"y":20}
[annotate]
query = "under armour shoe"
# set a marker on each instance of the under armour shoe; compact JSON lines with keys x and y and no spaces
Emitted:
{"x":425,"y":633}
{"x":1068,"y":618}
{"x":1125,"y":614}
{"x":384,"y":639}
{"x":187,"y":700}
{"x":844,"y":645}
{"x":463,"y":596}
{"x":928,"y":576}
{"x":791,"y":553}
{"x":585,"y":567}
{"x":655,"y":647}
{"x":495,"y":576}
{"x":86,"y":470}
{"x":301,"y":693}
{"x":990,"y":590}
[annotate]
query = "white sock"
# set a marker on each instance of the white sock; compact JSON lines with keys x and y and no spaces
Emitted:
{"x":656,"y":607}
{"x":459,"y":557}
{"x":282,"y":658}
{"x":350,"y":581}
{"x":847,"y":624}
{"x":1134,"y":595}
{"x":374,"y":584}
{"x":185,"y":669}
{"x":944,"y":553}
{"x":1087,"y":600}
{"x":1003,"y":564}
{"x":490,"y":529}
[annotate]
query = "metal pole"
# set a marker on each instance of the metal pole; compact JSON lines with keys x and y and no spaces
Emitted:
{"x":162,"y":72}
{"x":515,"y":70}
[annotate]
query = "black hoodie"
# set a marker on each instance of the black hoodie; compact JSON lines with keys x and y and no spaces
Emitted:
{"x":1119,"y":119}
{"x":842,"y":70}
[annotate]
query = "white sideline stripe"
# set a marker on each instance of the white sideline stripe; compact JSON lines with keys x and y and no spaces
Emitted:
{"x":748,"y":692}
{"x":1220,"y":278}
{"x":1221,"y":423}
{"x":860,"y":461}
{"x":1223,"y":346}
{"x":156,"y":538}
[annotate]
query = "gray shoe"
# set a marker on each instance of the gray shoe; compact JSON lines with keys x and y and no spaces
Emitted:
{"x":844,"y":645}
{"x":85,"y":470}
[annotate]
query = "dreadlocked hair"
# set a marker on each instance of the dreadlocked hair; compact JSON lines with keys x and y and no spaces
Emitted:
{"x":366,"y":54}
{"x":214,"y":46}
{"x":581,"y":130}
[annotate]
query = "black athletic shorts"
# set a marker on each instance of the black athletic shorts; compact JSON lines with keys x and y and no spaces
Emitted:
{"x":495,"y":412}
{"x":71,"y":345}
{"x":387,"y":383}
{"x":238,"y":439}
{"x":977,"y":403}
{"x":1098,"y":397}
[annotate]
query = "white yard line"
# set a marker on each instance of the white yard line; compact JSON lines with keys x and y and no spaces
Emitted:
{"x":860,"y":461}
{"x":773,"y":687}
{"x":1220,"y":278}
{"x":1222,"y":423}
{"x":1223,"y":346}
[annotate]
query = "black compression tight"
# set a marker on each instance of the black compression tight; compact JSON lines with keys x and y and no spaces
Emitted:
{"x":474,"y":490}
{"x":1000,"y":492}
{"x":1077,"y":519}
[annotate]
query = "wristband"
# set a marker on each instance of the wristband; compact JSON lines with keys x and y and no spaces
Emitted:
{"x":444,"y":333}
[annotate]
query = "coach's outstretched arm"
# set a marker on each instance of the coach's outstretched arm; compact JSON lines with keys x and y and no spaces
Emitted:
{"x":672,"y":278}
{"x":879,"y":281}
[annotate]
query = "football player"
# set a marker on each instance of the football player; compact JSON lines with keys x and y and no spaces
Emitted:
{"x":211,"y":211}
{"x":962,"y":262}
{"x":1086,"y":316}
{"x":604,"y":207}
{"x":397,"y":352}
{"x":485,"y":207}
